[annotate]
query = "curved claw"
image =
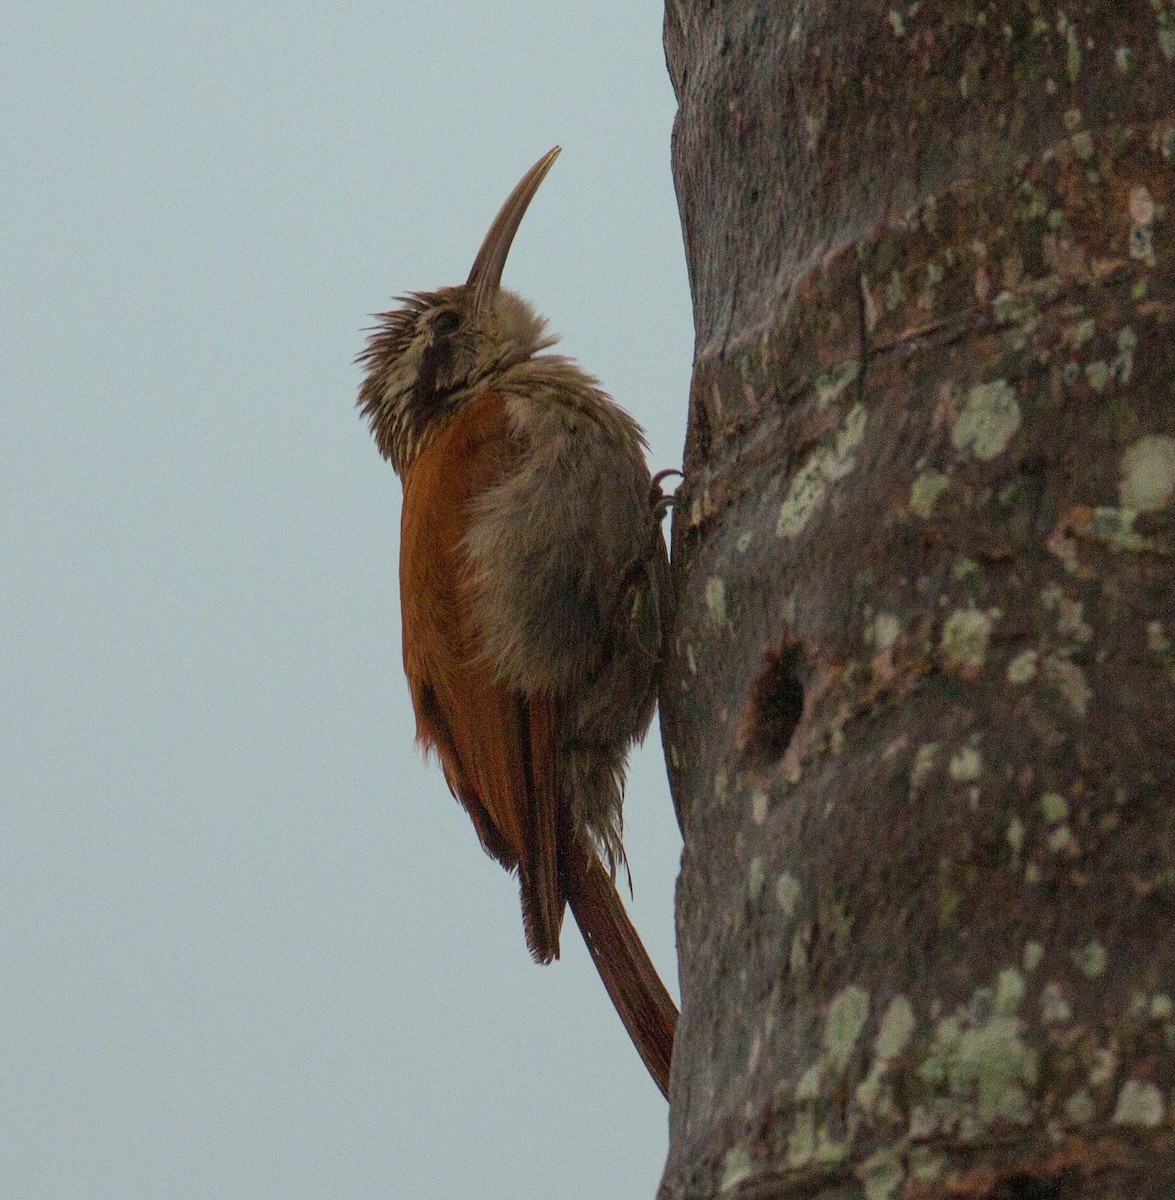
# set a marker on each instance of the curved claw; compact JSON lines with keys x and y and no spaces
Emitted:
{"x":660,"y":501}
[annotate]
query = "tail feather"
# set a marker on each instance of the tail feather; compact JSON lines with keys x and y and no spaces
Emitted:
{"x":538,"y":865}
{"x":636,"y":990}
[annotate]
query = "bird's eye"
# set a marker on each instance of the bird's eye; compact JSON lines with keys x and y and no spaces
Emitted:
{"x":445,"y":324}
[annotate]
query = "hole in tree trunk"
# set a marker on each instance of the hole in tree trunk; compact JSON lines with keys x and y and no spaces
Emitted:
{"x":775,"y":705}
{"x":1029,"y":1187}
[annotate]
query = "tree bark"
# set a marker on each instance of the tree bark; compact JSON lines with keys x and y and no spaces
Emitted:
{"x":919,"y":707}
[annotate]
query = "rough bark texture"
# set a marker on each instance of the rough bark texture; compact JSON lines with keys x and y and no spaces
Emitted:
{"x":920,"y":707}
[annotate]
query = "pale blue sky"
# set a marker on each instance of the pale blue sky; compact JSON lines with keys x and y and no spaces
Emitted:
{"x":249,"y":946}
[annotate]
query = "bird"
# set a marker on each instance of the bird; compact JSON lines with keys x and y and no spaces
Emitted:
{"x":535,"y":597}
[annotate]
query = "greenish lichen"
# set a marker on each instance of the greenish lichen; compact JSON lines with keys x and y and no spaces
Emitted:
{"x":1115,"y":527}
{"x":758,"y":806}
{"x":1058,"y":838}
{"x":716,"y":600}
{"x":950,"y":900}
{"x":893,"y":292}
{"x":1090,"y":959}
{"x":1067,"y":679}
{"x":1054,"y":1008}
{"x":965,"y":636}
{"x":925,"y":1165}
{"x":756,"y":873}
{"x":787,"y":892}
{"x":831,"y":386}
{"x":847,"y":1015}
{"x":1033,"y":953}
{"x":1148,"y":473}
{"x":1079,"y":1107}
{"x":1124,"y":363}
{"x":1097,"y":374}
{"x":808,"y":1087}
{"x":1022,"y":669}
{"x":801,"y":1141}
{"x":882,"y":1174}
{"x":1009,"y":992}
{"x":830,"y":1148}
{"x":989,"y":418}
{"x":922,"y":1124}
{"x":1139,"y":1103}
{"x":1054,"y":808}
{"x":896,"y":1027}
{"x":1071,"y":623}
{"x":809,"y":1143}
{"x":966,"y":766}
{"x":1020,"y":315}
{"x":1083,"y":145}
{"x":1141,"y":204}
{"x":925,"y":491}
{"x":1069,"y":32}
{"x":1166,"y":36}
{"x":736,"y":1167}
{"x":924,"y":762}
{"x":885,"y":630}
{"x":984,"y":1065}
{"x":825,"y":467}
{"x":834,"y":917}
{"x":1104,"y":1067}
{"x":1083,"y":332}
{"x":1051,"y":596}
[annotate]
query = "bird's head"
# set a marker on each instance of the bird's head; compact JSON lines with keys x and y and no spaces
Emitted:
{"x":428,"y":358}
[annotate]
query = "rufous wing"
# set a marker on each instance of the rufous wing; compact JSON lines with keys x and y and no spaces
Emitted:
{"x":497,"y":747}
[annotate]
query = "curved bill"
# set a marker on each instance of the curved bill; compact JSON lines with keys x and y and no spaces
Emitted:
{"x":486,"y":276}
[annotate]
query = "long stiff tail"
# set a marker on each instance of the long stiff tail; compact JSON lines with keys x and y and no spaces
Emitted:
{"x":640,"y":998}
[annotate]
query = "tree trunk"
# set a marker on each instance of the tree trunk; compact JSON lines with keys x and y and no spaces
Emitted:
{"x":920,"y":700}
